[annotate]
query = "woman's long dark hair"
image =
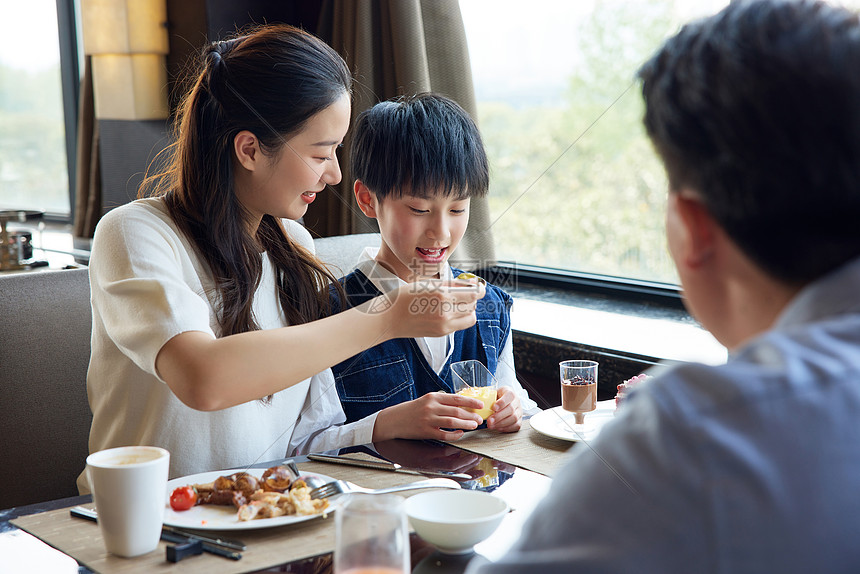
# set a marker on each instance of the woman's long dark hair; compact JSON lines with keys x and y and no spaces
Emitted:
{"x":269,"y":81}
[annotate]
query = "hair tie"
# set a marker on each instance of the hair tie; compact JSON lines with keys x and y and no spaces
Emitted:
{"x":214,"y":72}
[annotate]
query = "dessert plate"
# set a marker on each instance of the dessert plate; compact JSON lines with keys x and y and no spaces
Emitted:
{"x":558,"y":423}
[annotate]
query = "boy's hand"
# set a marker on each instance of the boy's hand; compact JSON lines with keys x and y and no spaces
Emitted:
{"x":427,"y":417}
{"x":508,"y":415}
{"x":432,"y":308}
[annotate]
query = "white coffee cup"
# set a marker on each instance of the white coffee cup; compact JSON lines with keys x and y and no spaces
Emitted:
{"x":129,"y":486}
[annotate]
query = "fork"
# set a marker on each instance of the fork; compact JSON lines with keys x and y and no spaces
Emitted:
{"x":342,"y":487}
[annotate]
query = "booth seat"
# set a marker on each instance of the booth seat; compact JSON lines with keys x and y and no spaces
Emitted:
{"x":45,"y":325}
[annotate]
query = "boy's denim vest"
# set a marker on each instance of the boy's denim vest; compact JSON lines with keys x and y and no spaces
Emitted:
{"x":396,"y":371}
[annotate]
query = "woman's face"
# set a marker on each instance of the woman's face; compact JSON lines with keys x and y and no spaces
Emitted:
{"x":285,"y":184}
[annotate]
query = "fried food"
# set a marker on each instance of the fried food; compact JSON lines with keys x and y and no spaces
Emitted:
{"x":297,"y":501}
{"x":233,"y":490}
{"x":276,"y":479}
{"x":246,"y":483}
{"x":223,"y":498}
{"x":275,"y":494}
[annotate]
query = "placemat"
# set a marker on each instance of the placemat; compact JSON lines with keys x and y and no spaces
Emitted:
{"x":267,"y":547}
{"x":525,"y":448}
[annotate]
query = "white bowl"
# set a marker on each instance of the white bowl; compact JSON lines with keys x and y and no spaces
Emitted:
{"x":455,"y":520}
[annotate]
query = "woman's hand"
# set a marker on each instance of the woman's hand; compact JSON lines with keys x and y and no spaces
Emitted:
{"x":508,"y":415}
{"x":429,"y":308}
{"x":426,"y":417}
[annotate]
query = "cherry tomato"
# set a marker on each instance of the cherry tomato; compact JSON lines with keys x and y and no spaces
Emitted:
{"x":183,"y":498}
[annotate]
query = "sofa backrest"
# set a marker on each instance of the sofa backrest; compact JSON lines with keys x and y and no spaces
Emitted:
{"x":44,"y":352}
{"x":341,"y":252}
{"x":45,"y":323}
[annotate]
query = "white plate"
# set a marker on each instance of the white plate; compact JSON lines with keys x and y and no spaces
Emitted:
{"x":558,"y":423}
{"x":213,"y":517}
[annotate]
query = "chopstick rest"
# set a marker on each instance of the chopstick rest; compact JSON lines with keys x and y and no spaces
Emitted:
{"x":184,"y":549}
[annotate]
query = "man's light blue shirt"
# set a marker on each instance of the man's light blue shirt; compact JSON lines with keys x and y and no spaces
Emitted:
{"x":748,"y":467}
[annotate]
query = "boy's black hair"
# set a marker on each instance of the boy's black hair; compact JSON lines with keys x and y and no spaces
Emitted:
{"x":422,"y":145}
{"x":758,"y":110}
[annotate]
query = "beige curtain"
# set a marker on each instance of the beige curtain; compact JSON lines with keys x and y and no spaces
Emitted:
{"x":88,"y":187}
{"x":393,"y":48}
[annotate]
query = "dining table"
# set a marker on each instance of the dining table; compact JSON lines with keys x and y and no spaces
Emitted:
{"x":517,"y":467}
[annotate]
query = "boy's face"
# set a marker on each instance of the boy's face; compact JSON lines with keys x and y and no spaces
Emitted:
{"x":418,"y":235}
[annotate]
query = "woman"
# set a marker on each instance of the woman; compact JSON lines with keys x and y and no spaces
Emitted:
{"x":206,"y":304}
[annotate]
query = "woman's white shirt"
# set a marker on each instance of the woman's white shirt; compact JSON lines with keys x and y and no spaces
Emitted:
{"x":148,"y":285}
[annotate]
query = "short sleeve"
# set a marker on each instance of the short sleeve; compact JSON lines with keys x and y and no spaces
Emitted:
{"x":146,"y":286}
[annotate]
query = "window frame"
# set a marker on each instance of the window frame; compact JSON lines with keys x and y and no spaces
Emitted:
{"x":626,"y":289}
{"x":70,"y":80}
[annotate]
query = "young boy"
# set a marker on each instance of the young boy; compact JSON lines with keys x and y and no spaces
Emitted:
{"x":417,"y":161}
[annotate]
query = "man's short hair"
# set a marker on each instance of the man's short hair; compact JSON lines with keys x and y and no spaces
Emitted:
{"x":757,"y":109}
{"x":420,"y":145}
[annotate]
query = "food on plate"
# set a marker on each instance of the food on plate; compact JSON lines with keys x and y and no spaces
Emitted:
{"x":223,"y":497}
{"x":297,"y":501}
{"x":625,"y":387}
{"x":234,"y":489}
{"x":183,"y":498}
{"x":276,"y":479}
{"x":276,"y":493}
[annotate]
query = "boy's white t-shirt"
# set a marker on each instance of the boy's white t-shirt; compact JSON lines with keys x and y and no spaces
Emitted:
{"x":437,"y":350}
{"x":147,"y":286}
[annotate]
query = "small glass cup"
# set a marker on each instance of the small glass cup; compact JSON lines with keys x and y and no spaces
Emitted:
{"x":371,"y":535}
{"x":472,"y":379}
{"x":578,"y":388}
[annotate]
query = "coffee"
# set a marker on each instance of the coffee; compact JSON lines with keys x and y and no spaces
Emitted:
{"x":130,"y":460}
{"x":127,"y":456}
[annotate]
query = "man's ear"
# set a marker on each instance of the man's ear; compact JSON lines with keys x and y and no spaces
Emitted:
{"x":247,"y":149}
{"x":365,"y":199}
{"x":700,"y":230}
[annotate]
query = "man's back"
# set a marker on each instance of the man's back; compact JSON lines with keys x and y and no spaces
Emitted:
{"x":750,"y":466}
{"x":747,"y":467}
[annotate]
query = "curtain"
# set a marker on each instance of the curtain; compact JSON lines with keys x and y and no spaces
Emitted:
{"x":394,"y":48}
{"x":88,"y":188}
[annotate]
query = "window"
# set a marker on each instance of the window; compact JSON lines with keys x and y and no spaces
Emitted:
{"x":33,"y":160}
{"x":574,"y":182}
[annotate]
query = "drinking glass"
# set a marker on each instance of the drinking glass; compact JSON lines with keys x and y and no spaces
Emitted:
{"x":578,"y":388}
{"x":371,"y":535}
{"x":472,"y":379}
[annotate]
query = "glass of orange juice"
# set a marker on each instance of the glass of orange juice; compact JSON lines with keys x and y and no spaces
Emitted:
{"x":472,"y":379}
